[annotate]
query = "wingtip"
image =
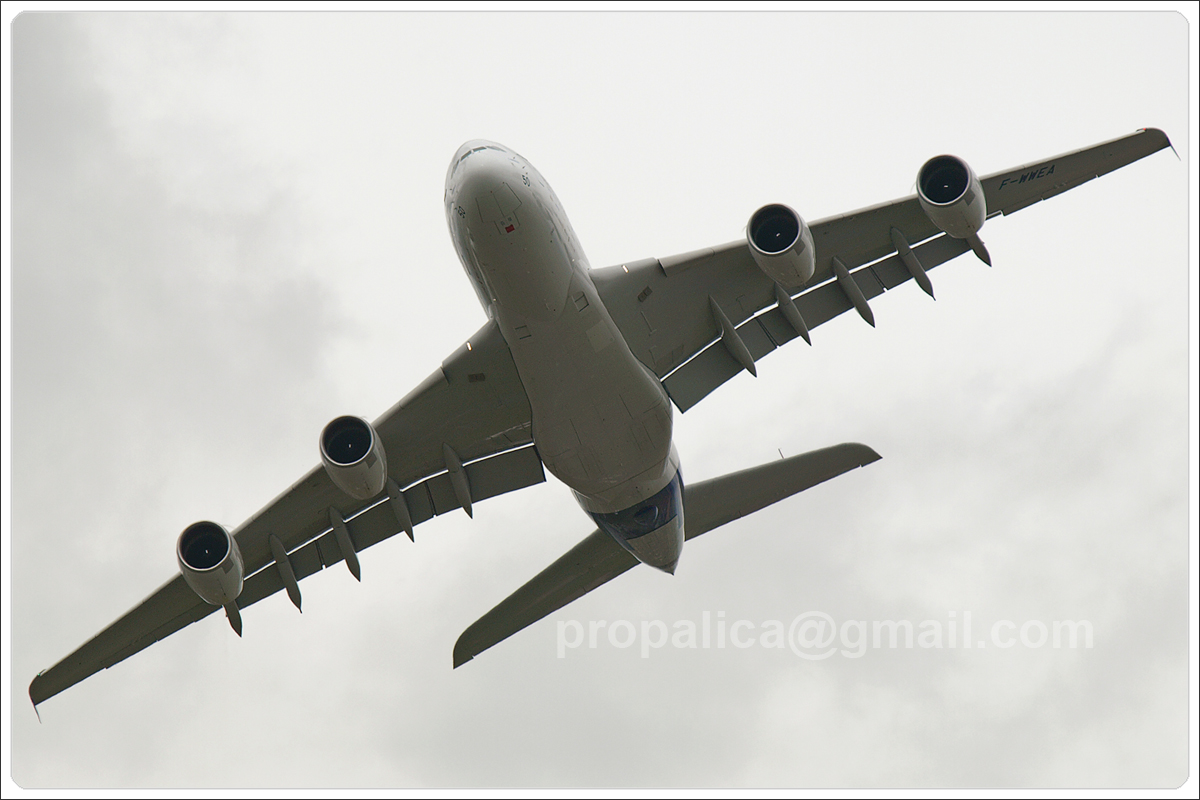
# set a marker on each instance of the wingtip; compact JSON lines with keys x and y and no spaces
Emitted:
{"x":866,"y":454}
{"x":1166,"y":140}
{"x":32,"y":700}
{"x":461,"y":658}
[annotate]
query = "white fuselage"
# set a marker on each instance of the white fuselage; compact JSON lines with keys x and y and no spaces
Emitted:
{"x":601,"y":420}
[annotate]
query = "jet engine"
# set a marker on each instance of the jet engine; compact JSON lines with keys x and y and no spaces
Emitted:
{"x":951,"y":196}
{"x":210,"y":562}
{"x":782,"y":245}
{"x":353,"y":456}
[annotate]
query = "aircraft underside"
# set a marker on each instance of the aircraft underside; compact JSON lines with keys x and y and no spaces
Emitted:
{"x":576,"y":371}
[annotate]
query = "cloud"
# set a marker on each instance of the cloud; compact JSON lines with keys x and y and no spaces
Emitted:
{"x":146,"y":305}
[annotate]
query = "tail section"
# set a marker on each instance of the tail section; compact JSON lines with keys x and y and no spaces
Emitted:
{"x":598,"y":558}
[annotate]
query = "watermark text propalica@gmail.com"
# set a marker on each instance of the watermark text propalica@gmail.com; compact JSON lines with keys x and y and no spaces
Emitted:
{"x":815,"y":635}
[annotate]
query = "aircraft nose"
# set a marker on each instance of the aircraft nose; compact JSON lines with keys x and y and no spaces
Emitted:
{"x":482,"y":184}
{"x":473,"y":148}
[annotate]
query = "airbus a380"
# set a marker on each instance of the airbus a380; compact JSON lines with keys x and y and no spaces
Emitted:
{"x":576,"y":371}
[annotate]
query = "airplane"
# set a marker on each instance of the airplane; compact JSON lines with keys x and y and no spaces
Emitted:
{"x":576,"y":371}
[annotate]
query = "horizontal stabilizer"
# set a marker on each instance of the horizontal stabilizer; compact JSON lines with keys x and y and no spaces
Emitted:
{"x":713,"y":503}
{"x":598,"y":559}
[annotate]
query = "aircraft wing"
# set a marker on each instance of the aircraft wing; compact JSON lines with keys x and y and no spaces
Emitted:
{"x":475,"y":403}
{"x":665,"y":310}
{"x":663,"y":306}
{"x":598,"y":559}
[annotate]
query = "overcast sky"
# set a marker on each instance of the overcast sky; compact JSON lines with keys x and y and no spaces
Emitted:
{"x":228,"y":229}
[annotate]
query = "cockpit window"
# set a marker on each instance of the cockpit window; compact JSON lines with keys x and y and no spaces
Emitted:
{"x":463,"y":157}
{"x":647,"y":516}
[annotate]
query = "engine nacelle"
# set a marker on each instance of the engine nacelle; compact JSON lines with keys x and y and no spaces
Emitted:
{"x":782,"y":245}
{"x":952,"y":196}
{"x":210,"y":562}
{"x":353,"y":456}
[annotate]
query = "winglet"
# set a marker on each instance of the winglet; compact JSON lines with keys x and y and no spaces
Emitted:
{"x":1173,"y":150}
{"x":1163,"y":134}
{"x":460,"y":655}
{"x":35,"y":708}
